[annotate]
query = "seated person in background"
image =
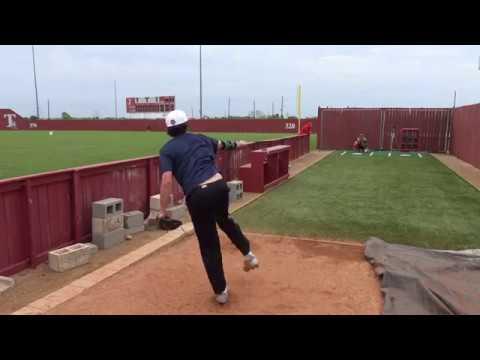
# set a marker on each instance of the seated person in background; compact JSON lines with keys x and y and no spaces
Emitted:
{"x":361,"y":143}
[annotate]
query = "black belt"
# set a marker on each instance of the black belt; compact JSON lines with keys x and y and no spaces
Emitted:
{"x":204,"y":186}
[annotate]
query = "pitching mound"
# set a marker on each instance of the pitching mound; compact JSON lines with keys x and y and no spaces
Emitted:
{"x":295,"y":277}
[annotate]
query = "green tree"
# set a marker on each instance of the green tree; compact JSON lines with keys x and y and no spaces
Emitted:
{"x":66,"y":116}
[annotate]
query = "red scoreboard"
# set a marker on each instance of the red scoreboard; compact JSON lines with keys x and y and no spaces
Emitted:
{"x":154,"y":104}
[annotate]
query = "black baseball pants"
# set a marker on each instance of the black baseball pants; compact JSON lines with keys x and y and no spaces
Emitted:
{"x":208,"y":206}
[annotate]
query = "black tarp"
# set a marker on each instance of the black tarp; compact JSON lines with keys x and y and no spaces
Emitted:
{"x":424,"y":281}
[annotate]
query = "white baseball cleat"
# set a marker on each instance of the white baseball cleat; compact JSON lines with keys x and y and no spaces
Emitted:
{"x":250,"y":262}
{"x":222,"y":298}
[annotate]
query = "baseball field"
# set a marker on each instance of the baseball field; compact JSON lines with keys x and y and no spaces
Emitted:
{"x":402,"y":198}
{"x":29,"y":152}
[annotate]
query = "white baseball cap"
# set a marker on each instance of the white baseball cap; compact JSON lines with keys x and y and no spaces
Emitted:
{"x":176,"y":117}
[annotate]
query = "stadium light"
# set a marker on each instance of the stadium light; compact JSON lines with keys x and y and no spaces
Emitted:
{"x":35,"y":82}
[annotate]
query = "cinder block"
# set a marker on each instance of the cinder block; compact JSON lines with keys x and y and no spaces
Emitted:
{"x":107,"y":240}
{"x":177,"y":212}
{"x":6,"y":283}
{"x":155,"y":202}
{"x":153,"y":215}
{"x":71,"y":256}
{"x":106,"y":225}
{"x":107,"y":207}
{"x":93,"y":248}
{"x":235,"y":185}
{"x":233,"y":196}
{"x":236,"y":190}
{"x":132,"y":219}
{"x":134,"y":230}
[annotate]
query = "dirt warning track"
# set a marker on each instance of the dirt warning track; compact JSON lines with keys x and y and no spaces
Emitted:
{"x":295,"y":277}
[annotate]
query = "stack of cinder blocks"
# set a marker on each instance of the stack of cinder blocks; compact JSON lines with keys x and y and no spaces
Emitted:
{"x":107,"y":223}
{"x":236,"y":190}
{"x":176,"y":212}
{"x":133,"y":222}
{"x":71,"y":256}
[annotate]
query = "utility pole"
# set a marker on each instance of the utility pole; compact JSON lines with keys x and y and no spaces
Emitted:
{"x":254,"y":112}
{"x":229,"y":107}
{"x":201,"y":100}
{"x":115,"y":96}
{"x":48,"y":108}
{"x":281,"y":109}
{"x":449,"y":125}
{"x":35,"y":81}
{"x":272,"y":109}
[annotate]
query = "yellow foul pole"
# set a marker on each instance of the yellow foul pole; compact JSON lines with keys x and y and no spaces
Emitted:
{"x":299,"y":106}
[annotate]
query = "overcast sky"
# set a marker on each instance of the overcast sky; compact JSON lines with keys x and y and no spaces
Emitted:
{"x":79,"y":79}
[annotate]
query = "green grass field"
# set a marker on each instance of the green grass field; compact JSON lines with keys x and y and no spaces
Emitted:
{"x":406,"y":200}
{"x":28,"y":152}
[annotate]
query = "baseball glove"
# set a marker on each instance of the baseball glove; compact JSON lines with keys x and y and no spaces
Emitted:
{"x":167,"y":223}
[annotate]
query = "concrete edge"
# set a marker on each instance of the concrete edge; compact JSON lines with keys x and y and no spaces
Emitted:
{"x":441,"y":158}
{"x":50,"y":301}
{"x":348,"y":243}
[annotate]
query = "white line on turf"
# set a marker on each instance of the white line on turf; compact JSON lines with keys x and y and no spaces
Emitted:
{"x":405,"y":155}
{"x":343,"y":153}
{"x":357,"y":154}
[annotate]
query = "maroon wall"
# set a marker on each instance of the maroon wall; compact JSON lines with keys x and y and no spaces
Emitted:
{"x":206,"y":125}
{"x":41,"y":212}
{"x":10,"y":120}
{"x":338,"y":128}
{"x":466,"y":134}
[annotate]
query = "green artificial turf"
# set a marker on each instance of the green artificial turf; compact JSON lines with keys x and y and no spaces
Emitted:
{"x":406,"y":200}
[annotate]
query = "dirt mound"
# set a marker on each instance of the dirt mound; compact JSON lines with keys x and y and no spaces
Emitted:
{"x":295,"y":277}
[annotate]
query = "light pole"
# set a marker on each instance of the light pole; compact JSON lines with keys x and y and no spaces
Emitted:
{"x":229,"y":107}
{"x":201,"y":100}
{"x":35,"y":82}
{"x":115,"y":96}
{"x":281,"y":109}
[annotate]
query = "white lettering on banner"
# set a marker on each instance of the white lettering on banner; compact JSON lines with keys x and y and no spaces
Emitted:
{"x":33,"y":125}
{"x":290,"y":126}
{"x":10,"y":120}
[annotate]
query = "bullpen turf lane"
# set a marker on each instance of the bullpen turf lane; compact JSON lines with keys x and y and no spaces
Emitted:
{"x":407,"y":200}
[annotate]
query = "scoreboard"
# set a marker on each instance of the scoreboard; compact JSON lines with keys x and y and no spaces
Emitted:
{"x":154,"y":104}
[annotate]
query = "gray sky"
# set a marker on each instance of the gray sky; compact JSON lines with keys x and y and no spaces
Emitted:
{"x":79,"y":79}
